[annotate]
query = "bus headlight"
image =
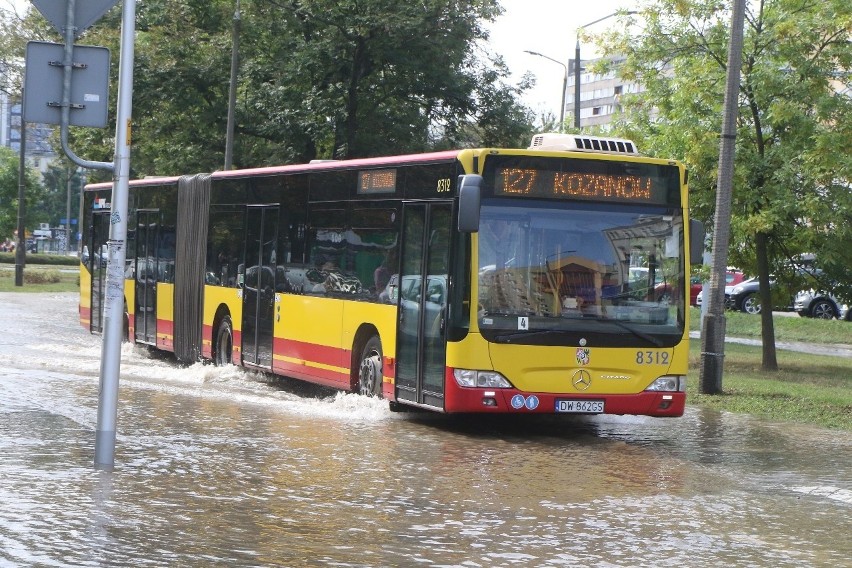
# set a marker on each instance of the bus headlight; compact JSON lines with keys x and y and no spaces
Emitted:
{"x":671,"y":383}
{"x":481,"y":379}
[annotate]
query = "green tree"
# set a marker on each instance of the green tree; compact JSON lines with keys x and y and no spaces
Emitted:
{"x":793,"y":177}
{"x":9,"y":185}
{"x":62,"y":186}
{"x":318,"y":79}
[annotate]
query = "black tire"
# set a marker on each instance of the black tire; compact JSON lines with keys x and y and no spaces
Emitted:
{"x":370,"y":368}
{"x":823,"y":309}
{"x":751,"y":304}
{"x":224,"y":343}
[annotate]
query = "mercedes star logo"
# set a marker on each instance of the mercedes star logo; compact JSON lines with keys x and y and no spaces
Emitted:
{"x":581,"y":380}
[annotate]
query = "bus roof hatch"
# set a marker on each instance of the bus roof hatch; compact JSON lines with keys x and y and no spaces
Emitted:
{"x":576,"y":143}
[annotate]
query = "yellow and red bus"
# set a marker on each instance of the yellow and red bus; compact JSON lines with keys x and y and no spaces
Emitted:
{"x":552,"y":279}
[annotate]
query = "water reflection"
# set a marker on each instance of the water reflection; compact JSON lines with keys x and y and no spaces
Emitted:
{"x":219,"y":466}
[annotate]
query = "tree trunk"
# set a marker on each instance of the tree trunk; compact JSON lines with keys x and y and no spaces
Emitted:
{"x":359,"y":70}
{"x":770,"y":362}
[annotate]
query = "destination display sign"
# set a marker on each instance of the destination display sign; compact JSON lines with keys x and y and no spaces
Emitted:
{"x":592,"y":180}
{"x":377,"y":181}
{"x":518,"y":181}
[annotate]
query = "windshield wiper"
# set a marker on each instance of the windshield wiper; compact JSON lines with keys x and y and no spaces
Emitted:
{"x":640,"y":334}
{"x":508,"y":337}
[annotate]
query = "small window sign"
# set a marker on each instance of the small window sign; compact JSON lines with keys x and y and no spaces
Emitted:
{"x":377,"y":181}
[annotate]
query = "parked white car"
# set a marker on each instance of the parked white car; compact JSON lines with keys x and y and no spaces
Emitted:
{"x":820,"y":305}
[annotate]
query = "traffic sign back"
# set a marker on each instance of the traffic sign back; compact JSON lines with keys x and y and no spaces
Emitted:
{"x":43,"y":82}
{"x":86,"y":12}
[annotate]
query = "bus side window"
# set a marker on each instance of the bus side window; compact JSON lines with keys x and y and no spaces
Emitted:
{"x":224,"y":244}
{"x":370,"y":255}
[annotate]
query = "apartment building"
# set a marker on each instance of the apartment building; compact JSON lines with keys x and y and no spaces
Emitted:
{"x":599,"y":94}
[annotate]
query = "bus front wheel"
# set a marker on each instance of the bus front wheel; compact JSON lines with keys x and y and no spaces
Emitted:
{"x":370,"y":369}
{"x":224,"y":342}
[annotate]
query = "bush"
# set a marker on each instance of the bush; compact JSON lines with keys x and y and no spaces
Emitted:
{"x":49,"y":259}
{"x":41,"y":277}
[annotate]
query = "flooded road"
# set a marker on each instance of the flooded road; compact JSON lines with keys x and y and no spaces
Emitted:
{"x":225,"y":467}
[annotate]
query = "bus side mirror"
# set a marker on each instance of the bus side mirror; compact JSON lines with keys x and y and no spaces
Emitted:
{"x":696,"y":241}
{"x":470,"y":186}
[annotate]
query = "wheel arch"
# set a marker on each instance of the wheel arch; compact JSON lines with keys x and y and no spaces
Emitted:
{"x":835,"y":309}
{"x":362,"y":335}
{"x":221,"y":312}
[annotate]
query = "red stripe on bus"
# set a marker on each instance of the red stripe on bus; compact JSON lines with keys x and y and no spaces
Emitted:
{"x":327,"y":377}
{"x":322,"y":354}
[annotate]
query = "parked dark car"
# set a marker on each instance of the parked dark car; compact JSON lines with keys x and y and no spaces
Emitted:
{"x":807,"y":303}
{"x":745,"y":296}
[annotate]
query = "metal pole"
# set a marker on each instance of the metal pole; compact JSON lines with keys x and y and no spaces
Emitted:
{"x":70,"y":33}
{"x":578,"y":64}
{"x":578,"y":67}
{"x":713,"y":330}
{"x":232,"y":90}
{"x":562,"y":106}
{"x":69,"y":173}
{"x":114,"y":303}
{"x":564,"y":86}
{"x":21,"y":247}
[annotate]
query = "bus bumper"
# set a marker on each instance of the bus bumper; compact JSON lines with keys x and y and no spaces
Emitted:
{"x":647,"y":403}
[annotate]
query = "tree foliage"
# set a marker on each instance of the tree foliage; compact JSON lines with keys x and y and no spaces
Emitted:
{"x":9,"y":186}
{"x":793,"y":174}
{"x":62,"y":185}
{"x":317,"y":79}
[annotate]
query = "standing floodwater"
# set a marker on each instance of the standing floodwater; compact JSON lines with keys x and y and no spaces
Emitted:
{"x":224,"y":467}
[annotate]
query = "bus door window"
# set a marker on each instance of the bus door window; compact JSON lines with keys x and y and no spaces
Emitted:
{"x":96,"y":262}
{"x":259,"y":286}
{"x":146,"y":267}
{"x":423,"y":292}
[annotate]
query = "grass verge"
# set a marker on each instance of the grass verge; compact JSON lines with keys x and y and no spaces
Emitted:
{"x":793,"y":328}
{"x":807,"y":389}
{"x":40,"y":278}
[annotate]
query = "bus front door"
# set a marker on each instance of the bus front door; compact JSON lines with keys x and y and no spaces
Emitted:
{"x":97,"y":262}
{"x":145,"y":272}
{"x":421,"y":338}
{"x":259,"y":285}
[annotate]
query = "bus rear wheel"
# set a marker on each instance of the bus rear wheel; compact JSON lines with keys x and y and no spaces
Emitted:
{"x":370,"y":368}
{"x":224,"y":343}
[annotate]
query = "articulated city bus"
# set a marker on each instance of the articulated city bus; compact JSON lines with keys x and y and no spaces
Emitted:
{"x":552,"y":279}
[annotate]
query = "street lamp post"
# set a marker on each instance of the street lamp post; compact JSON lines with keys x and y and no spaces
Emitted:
{"x":68,"y":179}
{"x":564,"y":86}
{"x":578,"y":65}
{"x":232,"y":88}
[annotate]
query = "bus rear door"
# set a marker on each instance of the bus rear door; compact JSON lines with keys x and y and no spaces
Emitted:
{"x":421,"y":337}
{"x":259,"y":284}
{"x":98,"y":263}
{"x":145,"y":272}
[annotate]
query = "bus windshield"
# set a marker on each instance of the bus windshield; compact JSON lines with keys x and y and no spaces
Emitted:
{"x":594,"y":269}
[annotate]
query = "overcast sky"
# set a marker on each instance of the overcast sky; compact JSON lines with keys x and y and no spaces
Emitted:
{"x":546,"y":26}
